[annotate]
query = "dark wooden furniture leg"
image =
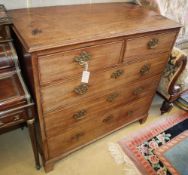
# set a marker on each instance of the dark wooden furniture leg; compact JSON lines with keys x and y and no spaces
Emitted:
{"x":32,"y":132}
{"x":174,"y":90}
{"x":143,"y":120}
{"x":166,"y":107}
{"x":48,"y":166}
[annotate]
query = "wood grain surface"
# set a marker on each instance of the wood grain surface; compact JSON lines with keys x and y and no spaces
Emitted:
{"x":49,"y":27}
{"x":102,"y":56}
{"x":59,"y":95}
{"x":100,"y":124}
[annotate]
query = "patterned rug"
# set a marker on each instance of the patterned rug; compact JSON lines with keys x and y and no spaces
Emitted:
{"x":160,"y":149}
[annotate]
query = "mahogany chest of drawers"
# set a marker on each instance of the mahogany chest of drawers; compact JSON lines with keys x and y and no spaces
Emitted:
{"x":123,"y":46}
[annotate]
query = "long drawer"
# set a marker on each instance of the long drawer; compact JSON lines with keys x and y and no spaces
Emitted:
{"x":64,"y":65}
{"x":150,"y":44}
{"x":62,"y":94}
{"x":57,"y":122}
{"x":103,"y":122}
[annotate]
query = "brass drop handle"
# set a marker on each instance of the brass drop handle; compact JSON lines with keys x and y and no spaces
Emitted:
{"x":153,"y":43}
{"x":112,"y":97}
{"x":17,"y":117}
{"x":1,"y":123}
{"x":130,"y":113}
{"x":77,"y":136}
{"x":79,"y":115}
{"x":83,"y":57}
{"x":81,"y":89}
{"x":138,"y":91}
{"x":145,"y":69}
{"x":108,"y":119}
{"x":117,"y":73}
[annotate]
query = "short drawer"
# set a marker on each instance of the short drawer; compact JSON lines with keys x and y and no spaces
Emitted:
{"x":12,"y":118}
{"x":152,"y":43}
{"x":56,"y":122}
{"x":64,"y":65}
{"x":62,"y":94}
{"x":103,"y":123}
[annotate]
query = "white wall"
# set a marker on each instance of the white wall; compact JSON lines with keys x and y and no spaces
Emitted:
{"x":14,"y":4}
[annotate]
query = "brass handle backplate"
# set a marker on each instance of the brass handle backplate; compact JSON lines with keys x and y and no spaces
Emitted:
{"x":117,"y":73}
{"x":17,"y":117}
{"x":80,"y":115}
{"x":83,"y":57}
{"x":112,"y":97}
{"x":145,"y":69}
{"x":77,"y":136}
{"x":81,"y":89}
{"x":138,"y":91}
{"x":153,"y":43}
{"x":108,"y":119}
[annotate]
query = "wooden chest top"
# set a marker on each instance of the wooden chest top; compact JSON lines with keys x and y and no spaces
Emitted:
{"x":50,"y":27}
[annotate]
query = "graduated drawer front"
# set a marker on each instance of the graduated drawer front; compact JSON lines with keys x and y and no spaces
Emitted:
{"x":57,"y":122}
{"x":12,"y":118}
{"x":62,"y":65}
{"x":102,"y":123}
{"x":152,"y":43}
{"x":62,"y":94}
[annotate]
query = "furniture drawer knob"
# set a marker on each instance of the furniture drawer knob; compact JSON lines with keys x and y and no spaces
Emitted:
{"x":81,"y":89}
{"x":79,"y":115}
{"x":138,"y":91}
{"x":145,"y":69}
{"x":17,"y":117}
{"x":112,"y":97}
{"x":1,"y":123}
{"x":108,"y":119}
{"x":130,"y":113}
{"x":77,"y":136}
{"x":83,"y":57}
{"x":117,"y":73}
{"x":153,"y":43}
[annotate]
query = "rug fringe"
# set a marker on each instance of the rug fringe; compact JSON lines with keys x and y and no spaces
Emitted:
{"x":116,"y":153}
{"x":120,"y":158}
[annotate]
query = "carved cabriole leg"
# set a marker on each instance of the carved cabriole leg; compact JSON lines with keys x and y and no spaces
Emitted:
{"x":32,"y":133}
{"x":166,"y":107}
{"x":48,"y":166}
